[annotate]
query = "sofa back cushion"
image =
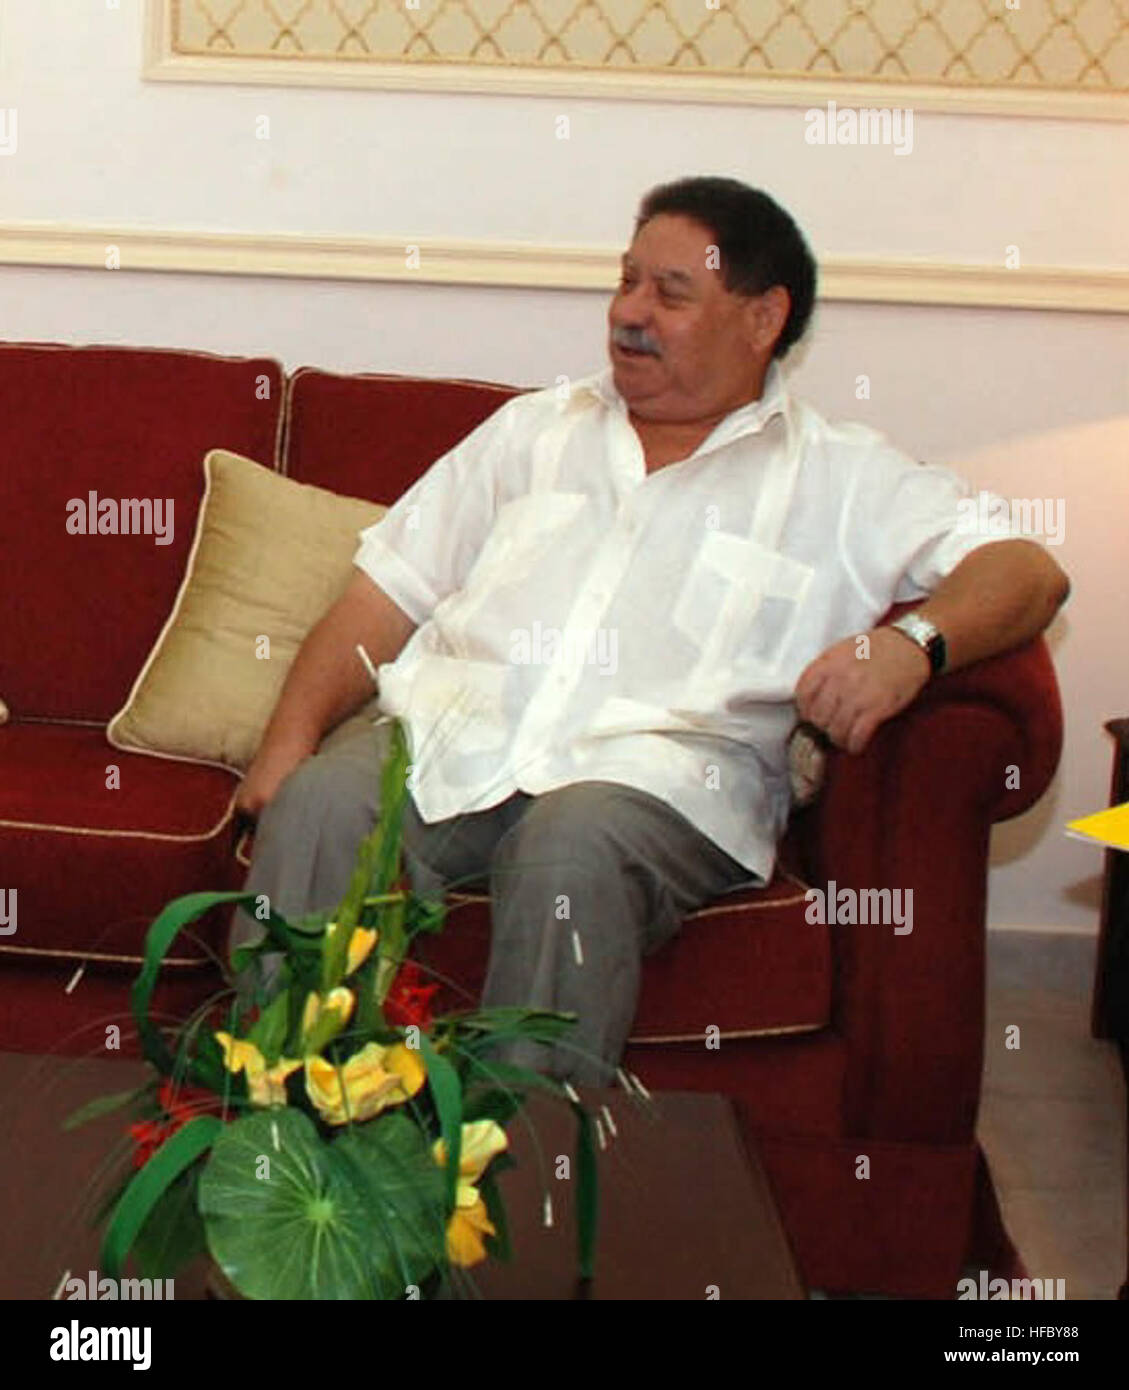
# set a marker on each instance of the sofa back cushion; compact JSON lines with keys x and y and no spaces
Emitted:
{"x":126,"y":425}
{"x":373,"y":435}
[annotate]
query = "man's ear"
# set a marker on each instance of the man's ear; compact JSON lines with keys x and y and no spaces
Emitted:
{"x":767,"y":314}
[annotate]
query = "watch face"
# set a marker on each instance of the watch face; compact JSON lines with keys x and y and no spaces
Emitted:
{"x":922,"y":631}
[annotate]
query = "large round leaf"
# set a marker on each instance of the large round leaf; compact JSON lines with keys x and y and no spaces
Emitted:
{"x":290,"y":1215}
{"x":404,"y":1190}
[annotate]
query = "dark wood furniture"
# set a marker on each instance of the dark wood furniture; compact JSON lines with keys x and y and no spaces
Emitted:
{"x":1110,"y":1016}
{"x":686,"y":1211}
{"x":684,"y":1205}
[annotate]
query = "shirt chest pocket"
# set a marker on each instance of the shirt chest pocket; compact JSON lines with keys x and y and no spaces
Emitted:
{"x":740,"y":601}
{"x":525,"y":534}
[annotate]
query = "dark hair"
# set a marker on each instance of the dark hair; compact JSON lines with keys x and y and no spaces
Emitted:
{"x":759,"y":244}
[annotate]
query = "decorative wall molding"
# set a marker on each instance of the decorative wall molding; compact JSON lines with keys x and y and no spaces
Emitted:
{"x":968,"y":56}
{"x":532,"y":265}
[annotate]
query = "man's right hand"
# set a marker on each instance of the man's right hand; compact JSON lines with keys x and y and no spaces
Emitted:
{"x":325,"y":684}
{"x":268,"y":770}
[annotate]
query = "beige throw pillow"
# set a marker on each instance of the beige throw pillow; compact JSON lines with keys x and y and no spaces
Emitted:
{"x":269,"y":558}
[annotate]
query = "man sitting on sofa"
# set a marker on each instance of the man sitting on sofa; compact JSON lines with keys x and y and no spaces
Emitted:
{"x":600,"y":615}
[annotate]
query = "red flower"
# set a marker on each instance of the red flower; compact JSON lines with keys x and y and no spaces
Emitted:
{"x":179,"y":1104}
{"x":408,"y":1002}
{"x":149,"y":1135}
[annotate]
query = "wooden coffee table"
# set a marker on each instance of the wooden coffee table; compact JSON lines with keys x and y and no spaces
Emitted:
{"x":686,"y":1211}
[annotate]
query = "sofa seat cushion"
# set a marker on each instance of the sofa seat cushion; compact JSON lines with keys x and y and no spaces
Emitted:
{"x":94,"y":863}
{"x":748,"y":964}
{"x":38,"y":1013}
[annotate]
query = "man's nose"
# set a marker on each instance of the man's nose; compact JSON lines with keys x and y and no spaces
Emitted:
{"x":631,"y":308}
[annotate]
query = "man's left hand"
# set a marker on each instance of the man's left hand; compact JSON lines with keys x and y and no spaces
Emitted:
{"x":848,"y":694}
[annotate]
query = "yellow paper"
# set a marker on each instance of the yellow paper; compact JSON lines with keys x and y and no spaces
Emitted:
{"x":1107,"y":827}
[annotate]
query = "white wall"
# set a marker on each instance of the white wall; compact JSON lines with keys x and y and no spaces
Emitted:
{"x":97,"y":146}
{"x":1042,"y":876}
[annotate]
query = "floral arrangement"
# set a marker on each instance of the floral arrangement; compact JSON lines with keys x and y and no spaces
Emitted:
{"x":334,"y":1139}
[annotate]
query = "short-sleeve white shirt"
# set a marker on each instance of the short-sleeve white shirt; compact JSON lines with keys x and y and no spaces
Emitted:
{"x":582,"y":619}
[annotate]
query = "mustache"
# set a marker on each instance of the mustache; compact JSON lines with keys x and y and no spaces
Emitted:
{"x":635,"y":339}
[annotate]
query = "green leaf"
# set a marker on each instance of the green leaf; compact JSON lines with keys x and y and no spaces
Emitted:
{"x":587,"y":1192}
{"x":377,"y":858}
{"x":497,"y":1245}
{"x":145,"y":1189}
{"x":424,"y":915}
{"x":392,"y":1160}
{"x":243,"y":956}
{"x":369,"y":1018}
{"x":207,"y":1066}
{"x":173,"y":1234}
{"x":251,"y":1192}
{"x":356,"y":1217}
{"x":505,"y":1075}
{"x":269,"y":1032}
{"x":335,"y":944}
{"x":393,"y":795}
{"x":310,"y":928}
{"x":447,"y":1093}
{"x":330,"y":1022}
{"x":170,"y":922}
{"x":491,"y":1103}
{"x":540,"y":1025}
{"x":103,"y":1105}
{"x":393,"y":946}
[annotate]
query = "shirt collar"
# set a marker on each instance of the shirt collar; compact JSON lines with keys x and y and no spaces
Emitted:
{"x":746,"y":419}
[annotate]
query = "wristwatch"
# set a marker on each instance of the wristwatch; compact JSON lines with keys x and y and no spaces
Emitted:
{"x":921,"y":631}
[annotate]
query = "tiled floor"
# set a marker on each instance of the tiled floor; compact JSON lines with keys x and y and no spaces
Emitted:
{"x":1053,"y":1114}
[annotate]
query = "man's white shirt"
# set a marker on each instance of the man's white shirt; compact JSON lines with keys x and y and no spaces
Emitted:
{"x":582,"y":620}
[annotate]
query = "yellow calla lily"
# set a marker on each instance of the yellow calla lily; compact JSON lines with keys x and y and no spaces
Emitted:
{"x":268,"y":1087}
{"x":482,"y":1141}
{"x":237,"y":1054}
{"x":370,"y":1081}
{"x":466,"y":1232}
{"x":265,"y":1085}
{"x":317,"y":1012}
{"x":360,"y":946}
{"x":361,"y":942}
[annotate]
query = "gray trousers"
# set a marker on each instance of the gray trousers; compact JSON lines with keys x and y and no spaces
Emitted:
{"x":584,"y":880}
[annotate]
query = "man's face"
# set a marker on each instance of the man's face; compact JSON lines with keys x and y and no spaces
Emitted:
{"x":697,"y":352}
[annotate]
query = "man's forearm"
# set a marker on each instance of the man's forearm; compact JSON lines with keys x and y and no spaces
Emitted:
{"x":327,"y":681}
{"x":998,"y":597}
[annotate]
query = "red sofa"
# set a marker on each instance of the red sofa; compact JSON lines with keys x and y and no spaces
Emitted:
{"x":836,"y":1041}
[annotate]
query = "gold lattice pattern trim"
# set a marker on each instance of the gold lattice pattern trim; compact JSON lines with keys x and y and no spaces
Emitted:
{"x":1071,"y":44}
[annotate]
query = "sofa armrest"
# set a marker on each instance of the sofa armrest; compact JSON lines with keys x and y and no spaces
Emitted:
{"x":1020,"y":684}
{"x":914,"y":812}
